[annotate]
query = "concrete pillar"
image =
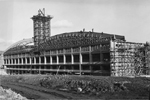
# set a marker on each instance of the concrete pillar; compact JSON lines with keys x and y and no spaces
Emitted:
{"x":25,"y":60}
{"x":80,"y":58}
{"x":11,"y":61}
{"x":34,"y":60}
{"x":64,"y":56}
{"x":18,"y":60}
{"x":72,"y":59}
{"x":57,"y":58}
{"x":80,"y":55}
{"x":39,"y":60}
{"x":45,"y":60}
{"x":50,"y":59}
{"x":22,"y":60}
{"x":8,"y":61}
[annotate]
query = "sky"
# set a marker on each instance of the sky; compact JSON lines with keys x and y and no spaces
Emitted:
{"x":130,"y":18}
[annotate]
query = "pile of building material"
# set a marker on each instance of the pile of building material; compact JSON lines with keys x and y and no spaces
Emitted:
{"x":8,"y":94}
{"x":3,"y":72}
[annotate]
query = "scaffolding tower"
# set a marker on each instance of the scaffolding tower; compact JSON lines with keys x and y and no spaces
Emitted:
{"x":41,"y":25}
{"x":42,"y":32}
{"x":129,"y":59}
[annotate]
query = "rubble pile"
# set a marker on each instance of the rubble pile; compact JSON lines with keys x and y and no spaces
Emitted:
{"x":8,"y":94}
{"x":86,"y":86}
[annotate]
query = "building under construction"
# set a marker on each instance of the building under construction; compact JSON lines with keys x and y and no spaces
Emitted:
{"x":82,"y":52}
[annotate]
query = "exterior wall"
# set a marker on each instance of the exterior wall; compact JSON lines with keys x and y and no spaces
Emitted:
{"x":87,"y":60}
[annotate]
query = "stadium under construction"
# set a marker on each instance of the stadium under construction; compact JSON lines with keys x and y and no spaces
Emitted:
{"x":82,"y":52}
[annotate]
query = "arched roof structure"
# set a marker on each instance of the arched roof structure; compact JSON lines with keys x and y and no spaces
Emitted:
{"x":64,"y":40}
{"x":76,"y":39}
{"x":20,"y":46}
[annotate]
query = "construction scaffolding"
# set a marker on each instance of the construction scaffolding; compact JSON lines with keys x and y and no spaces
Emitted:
{"x":41,"y":25}
{"x":128,"y":58}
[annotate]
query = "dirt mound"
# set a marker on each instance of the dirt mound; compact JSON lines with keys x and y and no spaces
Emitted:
{"x":8,"y":94}
{"x":3,"y":72}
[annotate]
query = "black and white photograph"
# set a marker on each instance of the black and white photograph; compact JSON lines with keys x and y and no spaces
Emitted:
{"x":74,"y":49}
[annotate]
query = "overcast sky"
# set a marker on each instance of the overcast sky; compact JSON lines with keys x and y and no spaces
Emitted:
{"x":130,"y":18}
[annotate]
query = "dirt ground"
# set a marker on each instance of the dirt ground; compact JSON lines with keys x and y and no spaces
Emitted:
{"x":40,"y":93}
{"x":28,"y":86}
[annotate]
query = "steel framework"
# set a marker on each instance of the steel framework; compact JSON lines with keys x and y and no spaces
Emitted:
{"x":129,"y":59}
{"x":41,"y":25}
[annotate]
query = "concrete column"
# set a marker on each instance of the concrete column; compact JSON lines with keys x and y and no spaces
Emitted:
{"x":80,"y":55}
{"x":80,"y":58}
{"x":8,"y":61}
{"x":90,"y":48}
{"x":64,"y":56}
{"x":80,"y":67}
{"x":22,"y":60}
{"x":18,"y":60}
{"x":50,"y":59}
{"x":72,"y":59}
{"x":34,"y":60}
{"x":57,"y":58}
{"x":39,"y":60}
{"x":45,"y":60}
{"x":25,"y":60}
{"x":11,"y":61}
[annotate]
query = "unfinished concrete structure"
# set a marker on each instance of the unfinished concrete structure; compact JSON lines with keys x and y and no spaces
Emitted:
{"x":82,"y":52}
{"x":1,"y":59}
